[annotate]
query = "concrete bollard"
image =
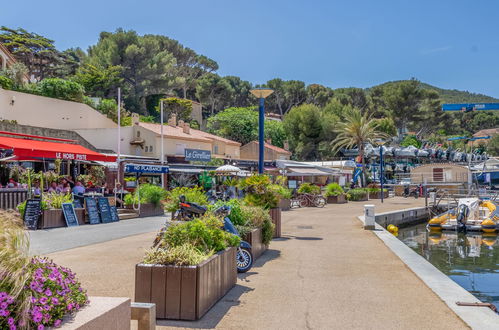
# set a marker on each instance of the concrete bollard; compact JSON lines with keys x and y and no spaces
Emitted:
{"x":433,"y":197}
{"x":145,"y":313}
{"x":369,"y":217}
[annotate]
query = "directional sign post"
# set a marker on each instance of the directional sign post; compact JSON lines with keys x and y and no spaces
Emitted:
{"x":467,"y":107}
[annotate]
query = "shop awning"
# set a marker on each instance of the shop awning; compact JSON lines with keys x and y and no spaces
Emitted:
{"x":306,"y":171}
{"x":34,"y":149}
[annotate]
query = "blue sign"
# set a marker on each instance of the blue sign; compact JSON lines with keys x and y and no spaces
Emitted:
{"x":466,"y":107}
{"x":197,"y":155}
{"x":144,"y":168}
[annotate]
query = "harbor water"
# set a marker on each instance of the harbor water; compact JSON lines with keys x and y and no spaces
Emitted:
{"x":471,"y":260}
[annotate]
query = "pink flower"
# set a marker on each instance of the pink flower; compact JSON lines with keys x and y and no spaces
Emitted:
{"x":11,"y":321}
{"x":41,"y":327}
{"x":57,"y":323}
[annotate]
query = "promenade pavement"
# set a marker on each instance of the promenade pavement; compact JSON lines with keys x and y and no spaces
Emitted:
{"x":326,"y":272}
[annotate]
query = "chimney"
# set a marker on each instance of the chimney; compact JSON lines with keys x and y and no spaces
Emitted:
{"x":269,"y":141}
{"x":135,"y":119}
{"x":187,"y":128}
{"x":180,"y":123}
{"x":286,"y":145}
{"x":173,"y":120}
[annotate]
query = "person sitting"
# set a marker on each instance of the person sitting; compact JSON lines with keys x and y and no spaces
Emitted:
{"x":78,"y":189}
{"x":36,"y":189}
{"x":12,"y":183}
{"x":54,"y":188}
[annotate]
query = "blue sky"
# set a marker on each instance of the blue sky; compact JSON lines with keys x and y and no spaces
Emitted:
{"x":450,"y":44}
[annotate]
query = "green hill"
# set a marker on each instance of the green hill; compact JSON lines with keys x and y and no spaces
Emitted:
{"x":453,"y":95}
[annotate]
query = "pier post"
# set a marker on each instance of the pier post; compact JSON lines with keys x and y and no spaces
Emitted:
{"x":369,"y":217}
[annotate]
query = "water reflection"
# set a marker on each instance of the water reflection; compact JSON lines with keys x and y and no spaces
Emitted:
{"x":471,"y":260}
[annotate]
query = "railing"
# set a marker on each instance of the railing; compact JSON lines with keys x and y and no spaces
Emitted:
{"x":11,"y":197}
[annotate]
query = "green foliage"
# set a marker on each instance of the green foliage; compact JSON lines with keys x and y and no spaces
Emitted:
{"x":204,"y":233}
{"x":182,"y":255}
{"x":357,"y":194}
{"x":386,"y":125}
{"x":192,"y":195}
{"x":260,"y":191}
{"x":60,"y":89}
{"x":334,"y":189}
{"x":148,"y":193}
{"x":259,"y":217}
{"x":147,"y":119}
{"x":6,"y":83}
{"x":55,"y":201}
{"x":411,"y":140}
{"x":308,"y":188}
{"x":493,"y":146}
{"x":174,"y":105}
{"x":99,"y":81}
{"x":283,"y":192}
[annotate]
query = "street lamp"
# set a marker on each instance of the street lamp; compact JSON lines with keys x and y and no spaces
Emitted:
{"x":261,"y":93}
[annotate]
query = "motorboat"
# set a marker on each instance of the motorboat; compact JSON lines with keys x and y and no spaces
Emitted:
{"x":471,"y":214}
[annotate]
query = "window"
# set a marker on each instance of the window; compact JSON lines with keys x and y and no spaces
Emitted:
{"x":150,"y":148}
{"x":147,"y":149}
{"x":438,"y":174}
{"x":215,"y":149}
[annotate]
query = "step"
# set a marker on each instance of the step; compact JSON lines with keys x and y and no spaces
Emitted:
{"x":124,"y":216}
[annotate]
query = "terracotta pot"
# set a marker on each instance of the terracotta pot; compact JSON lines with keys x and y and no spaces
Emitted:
{"x":186,"y":292}
{"x":340,"y":199}
{"x":254,"y":237}
{"x":275,"y":214}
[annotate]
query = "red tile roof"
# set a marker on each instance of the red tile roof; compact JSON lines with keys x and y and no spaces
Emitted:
{"x":275,"y":148}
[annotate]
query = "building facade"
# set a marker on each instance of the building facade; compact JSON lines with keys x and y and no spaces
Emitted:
{"x":250,"y":151}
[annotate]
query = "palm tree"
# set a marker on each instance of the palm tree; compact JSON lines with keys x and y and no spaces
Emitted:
{"x":357,"y":129}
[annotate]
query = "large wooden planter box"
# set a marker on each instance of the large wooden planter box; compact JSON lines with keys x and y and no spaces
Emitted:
{"x":275,"y":214}
{"x":151,"y":210}
{"x":340,"y":199}
{"x":285,"y":204}
{"x":377,"y":195}
{"x":54,"y":218}
{"x":186,"y":292}
{"x":254,"y":237}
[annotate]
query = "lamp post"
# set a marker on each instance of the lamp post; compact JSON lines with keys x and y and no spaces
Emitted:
{"x":261,"y":94}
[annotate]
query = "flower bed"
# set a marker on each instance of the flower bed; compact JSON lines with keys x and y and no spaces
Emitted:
{"x":335,"y":194}
{"x":34,"y":292}
{"x":151,"y":210}
{"x":54,"y":218}
{"x":357,"y":195}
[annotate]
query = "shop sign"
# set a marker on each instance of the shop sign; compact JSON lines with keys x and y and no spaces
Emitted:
{"x":145,"y":168}
{"x":67,"y":155}
{"x":197,"y":155}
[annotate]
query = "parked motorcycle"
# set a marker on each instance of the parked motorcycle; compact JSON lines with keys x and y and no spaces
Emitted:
{"x":414,"y":192}
{"x":188,"y":211}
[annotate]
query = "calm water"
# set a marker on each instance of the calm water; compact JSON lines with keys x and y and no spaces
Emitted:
{"x":470,"y":260}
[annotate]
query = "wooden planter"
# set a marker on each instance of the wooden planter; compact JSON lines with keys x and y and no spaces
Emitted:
{"x":285,"y":204}
{"x":275,"y":214}
{"x":340,"y":199}
{"x":254,"y":237}
{"x":186,"y":292}
{"x":377,"y":195}
{"x":151,"y":210}
{"x":54,"y":218}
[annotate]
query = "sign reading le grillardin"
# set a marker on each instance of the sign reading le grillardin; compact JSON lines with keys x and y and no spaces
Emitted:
{"x":197,"y":155}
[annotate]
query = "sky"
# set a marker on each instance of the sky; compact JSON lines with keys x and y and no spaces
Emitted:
{"x":449,"y":44}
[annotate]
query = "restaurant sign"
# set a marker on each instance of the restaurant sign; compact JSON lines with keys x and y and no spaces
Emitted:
{"x":145,"y":168}
{"x":71,"y":156}
{"x":197,"y":155}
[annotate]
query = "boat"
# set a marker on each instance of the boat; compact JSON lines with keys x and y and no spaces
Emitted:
{"x":471,"y":214}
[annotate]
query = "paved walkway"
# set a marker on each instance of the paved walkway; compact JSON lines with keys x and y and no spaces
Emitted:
{"x":325,"y":273}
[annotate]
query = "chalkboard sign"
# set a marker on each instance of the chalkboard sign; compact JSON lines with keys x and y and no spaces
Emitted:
{"x":114,"y":214}
{"x":92,"y":210}
{"x":104,"y":209}
{"x":77,"y":204}
{"x":69,"y":214}
{"x":32,"y":213}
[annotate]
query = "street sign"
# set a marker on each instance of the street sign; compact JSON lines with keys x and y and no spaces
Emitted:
{"x":467,"y":107}
{"x":197,"y":155}
{"x":146,"y":168}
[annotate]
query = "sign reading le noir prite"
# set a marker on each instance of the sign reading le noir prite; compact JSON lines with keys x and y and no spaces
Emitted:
{"x":197,"y":155}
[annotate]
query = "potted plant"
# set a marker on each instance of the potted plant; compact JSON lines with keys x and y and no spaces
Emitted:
{"x":261,"y":192}
{"x":335,"y":194}
{"x":375,"y":192}
{"x":191,"y":269}
{"x":285,"y":198}
{"x":357,"y":194}
{"x":151,"y":197}
{"x":308,"y":188}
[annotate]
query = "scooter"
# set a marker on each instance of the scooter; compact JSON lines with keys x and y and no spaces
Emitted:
{"x":188,"y":211}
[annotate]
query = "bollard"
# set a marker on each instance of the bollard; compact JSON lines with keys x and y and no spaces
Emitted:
{"x":369,"y":217}
{"x":145,"y":313}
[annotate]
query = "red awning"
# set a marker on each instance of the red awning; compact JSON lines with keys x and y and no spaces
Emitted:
{"x":30,"y":149}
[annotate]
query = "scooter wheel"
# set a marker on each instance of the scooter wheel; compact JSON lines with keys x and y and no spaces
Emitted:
{"x":244,"y":260}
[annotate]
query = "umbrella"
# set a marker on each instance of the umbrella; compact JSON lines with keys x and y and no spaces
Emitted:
{"x":228,"y":169}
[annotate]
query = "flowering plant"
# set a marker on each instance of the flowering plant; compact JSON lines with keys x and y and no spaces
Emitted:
{"x":55,"y":293}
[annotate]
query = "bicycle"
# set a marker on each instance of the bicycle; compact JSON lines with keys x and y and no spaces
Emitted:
{"x":311,"y":200}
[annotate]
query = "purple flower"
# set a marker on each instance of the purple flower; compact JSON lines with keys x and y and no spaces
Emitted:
{"x":4,"y":305}
{"x":12,"y":327}
{"x":48,"y":293}
{"x":41,"y":327}
{"x":57,"y":323}
{"x":55,"y":301}
{"x":43,"y":300}
{"x":11,"y":321}
{"x":70,"y":307}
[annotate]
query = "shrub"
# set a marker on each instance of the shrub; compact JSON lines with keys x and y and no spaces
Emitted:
{"x":182,"y":255}
{"x":192,"y":195}
{"x":151,"y":193}
{"x":260,"y":191}
{"x":6,"y":83}
{"x":259,"y":218}
{"x":205,"y":234}
{"x":283,"y":192}
{"x":334,"y":189}
{"x":61,"y":89}
{"x":357,"y":194}
{"x":308,"y":188}
{"x":236,"y":215}
{"x":55,"y":201}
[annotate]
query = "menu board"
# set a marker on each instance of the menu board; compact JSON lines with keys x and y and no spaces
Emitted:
{"x":114,"y":214}
{"x":92,"y":210}
{"x":32,"y":213}
{"x":104,"y":209}
{"x":69,"y":214}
